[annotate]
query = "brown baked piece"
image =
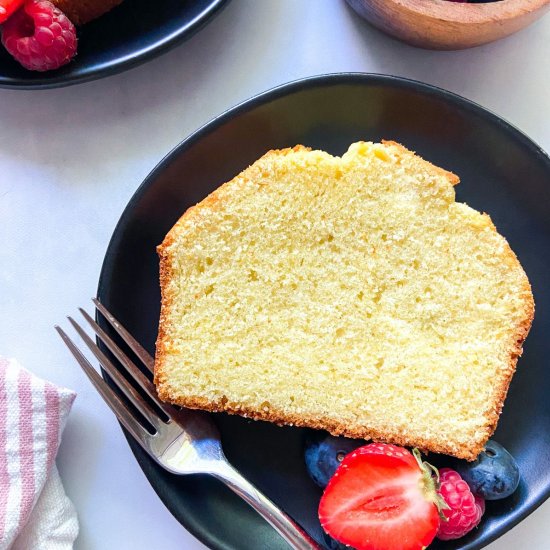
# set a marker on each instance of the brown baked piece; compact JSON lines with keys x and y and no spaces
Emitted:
{"x":351,"y":294}
{"x":83,"y":11}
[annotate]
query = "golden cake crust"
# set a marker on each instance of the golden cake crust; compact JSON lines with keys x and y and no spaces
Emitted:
{"x":214,"y":202}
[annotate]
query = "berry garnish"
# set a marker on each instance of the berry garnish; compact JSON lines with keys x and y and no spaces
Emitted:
{"x":324,"y":453}
{"x":7,"y":7}
{"x":493,"y":475}
{"x":382,"y":497}
{"x":40,"y":36}
{"x":464,"y":511}
{"x":480,"y":502}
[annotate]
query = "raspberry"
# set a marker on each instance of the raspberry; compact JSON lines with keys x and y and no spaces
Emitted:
{"x":40,"y":36}
{"x":465,"y":509}
{"x":480,"y":503}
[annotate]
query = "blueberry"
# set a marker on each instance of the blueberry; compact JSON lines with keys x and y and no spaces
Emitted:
{"x":493,"y":475}
{"x":334,"y":544}
{"x":323,"y":454}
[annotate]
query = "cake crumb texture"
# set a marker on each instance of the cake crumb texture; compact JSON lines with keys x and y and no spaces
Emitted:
{"x":351,"y":294}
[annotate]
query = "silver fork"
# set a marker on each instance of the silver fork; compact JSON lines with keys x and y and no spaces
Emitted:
{"x":183,"y":441}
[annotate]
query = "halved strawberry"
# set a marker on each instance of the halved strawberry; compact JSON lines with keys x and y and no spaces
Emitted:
{"x":381,"y":498}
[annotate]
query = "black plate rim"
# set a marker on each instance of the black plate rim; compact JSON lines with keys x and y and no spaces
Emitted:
{"x":116,"y":66}
{"x":198,"y":529}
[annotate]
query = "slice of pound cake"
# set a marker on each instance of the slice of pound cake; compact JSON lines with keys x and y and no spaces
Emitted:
{"x":351,"y":294}
{"x":84,"y":11}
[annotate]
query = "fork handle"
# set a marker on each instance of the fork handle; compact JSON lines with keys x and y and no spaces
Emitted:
{"x":296,"y":537}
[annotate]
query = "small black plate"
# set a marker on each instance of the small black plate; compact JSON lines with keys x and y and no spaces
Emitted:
{"x":130,"y":34}
{"x":503,"y":173}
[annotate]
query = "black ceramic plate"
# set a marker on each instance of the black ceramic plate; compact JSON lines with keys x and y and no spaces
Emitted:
{"x":503,"y":173}
{"x":133,"y":32}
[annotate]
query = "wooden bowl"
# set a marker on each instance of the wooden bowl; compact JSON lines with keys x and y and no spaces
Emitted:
{"x":445,"y":25}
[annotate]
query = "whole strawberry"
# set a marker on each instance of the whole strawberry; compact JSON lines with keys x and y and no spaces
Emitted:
{"x":382,"y":497}
{"x":465,"y":509}
{"x":40,"y":36}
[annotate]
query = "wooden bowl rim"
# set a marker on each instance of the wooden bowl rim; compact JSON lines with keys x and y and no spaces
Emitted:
{"x":456,"y":12}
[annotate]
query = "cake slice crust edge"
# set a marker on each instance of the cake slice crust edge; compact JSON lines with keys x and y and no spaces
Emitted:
{"x":397,"y":436}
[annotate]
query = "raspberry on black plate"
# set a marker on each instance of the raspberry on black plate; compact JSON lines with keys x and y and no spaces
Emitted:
{"x":465,"y":509}
{"x":40,"y":36}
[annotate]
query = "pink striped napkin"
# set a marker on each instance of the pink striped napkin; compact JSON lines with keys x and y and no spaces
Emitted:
{"x":35,"y":512}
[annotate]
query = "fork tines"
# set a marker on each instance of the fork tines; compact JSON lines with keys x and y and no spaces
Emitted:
{"x":117,"y":405}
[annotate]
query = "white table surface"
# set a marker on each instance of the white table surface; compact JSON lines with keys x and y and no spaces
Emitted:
{"x":71,"y":158}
